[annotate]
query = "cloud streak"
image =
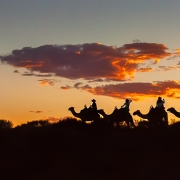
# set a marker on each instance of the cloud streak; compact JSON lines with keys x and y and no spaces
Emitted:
{"x":46,"y":82}
{"x":87,"y":61}
{"x":168,"y":68}
{"x":36,"y":112}
{"x":137,"y":90}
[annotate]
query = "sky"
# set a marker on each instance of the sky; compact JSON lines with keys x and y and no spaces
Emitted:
{"x":62,"y":53}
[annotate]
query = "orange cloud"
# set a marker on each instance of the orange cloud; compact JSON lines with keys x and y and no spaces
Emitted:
{"x":46,"y":82}
{"x":89,"y":61}
{"x":156,"y":61}
{"x":29,"y":66}
{"x":137,"y":90}
{"x":178,"y":51}
{"x":144,"y":69}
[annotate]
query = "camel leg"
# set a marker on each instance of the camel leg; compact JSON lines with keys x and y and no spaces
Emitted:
{"x":166,"y":118}
{"x":83,"y":121}
{"x":130,"y":120}
{"x":111,"y":123}
{"x":149,"y":124}
{"x":117,"y":124}
{"x":127,"y":122}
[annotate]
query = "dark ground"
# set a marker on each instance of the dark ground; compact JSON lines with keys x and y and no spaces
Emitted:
{"x":73,"y":151}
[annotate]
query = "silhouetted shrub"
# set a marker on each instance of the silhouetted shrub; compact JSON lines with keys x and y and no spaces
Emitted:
{"x":175,"y":127}
{"x":76,"y":150}
{"x":4,"y":124}
{"x":102,"y":124}
{"x":143,"y":124}
{"x":68,"y":122}
{"x":38,"y":123}
{"x":35,"y":123}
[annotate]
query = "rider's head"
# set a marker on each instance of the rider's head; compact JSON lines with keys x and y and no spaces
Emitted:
{"x":159,"y":98}
{"x":127,"y":100}
{"x":93,"y":100}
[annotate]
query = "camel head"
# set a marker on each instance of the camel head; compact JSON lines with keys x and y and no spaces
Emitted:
{"x":71,"y":109}
{"x":171,"y":109}
{"x":136,"y":112}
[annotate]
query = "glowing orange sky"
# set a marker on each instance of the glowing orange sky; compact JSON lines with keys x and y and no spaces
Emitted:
{"x":51,"y":61}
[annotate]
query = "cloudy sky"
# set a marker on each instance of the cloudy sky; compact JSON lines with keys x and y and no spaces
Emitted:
{"x":62,"y":53}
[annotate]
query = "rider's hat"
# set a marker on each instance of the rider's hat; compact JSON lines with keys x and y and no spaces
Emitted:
{"x":93,"y":100}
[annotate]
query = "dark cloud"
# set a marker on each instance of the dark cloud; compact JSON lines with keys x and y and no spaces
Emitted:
{"x":65,"y":87}
{"x":38,"y":111}
{"x":137,"y":90}
{"x":35,"y":111}
{"x":152,"y":49}
{"x":168,"y":68}
{"x":78,"y":84}
{"x":27,"y":74}
{"x":16,"y":71}
{"x":88,"y":61}
{"x":175,"y":55}
{"x":102,"y":80}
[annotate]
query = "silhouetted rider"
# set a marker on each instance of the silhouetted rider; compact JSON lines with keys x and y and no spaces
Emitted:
{"x":126,"y":104}
{"x":94,"y":106}
{"x":160,"y":109}
{"x":160,"y":103}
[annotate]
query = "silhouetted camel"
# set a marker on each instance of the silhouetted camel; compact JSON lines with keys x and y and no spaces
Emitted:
{"x":173,"y":111}
{"x":85,"y":115}
{"x":154,"y":116}
{"x":118,"y":115}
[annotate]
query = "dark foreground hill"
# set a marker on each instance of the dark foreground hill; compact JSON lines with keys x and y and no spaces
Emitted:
{"x":74,"y":150}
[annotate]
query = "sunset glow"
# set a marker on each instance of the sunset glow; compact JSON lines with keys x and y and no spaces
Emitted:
{"x":78,"y":52}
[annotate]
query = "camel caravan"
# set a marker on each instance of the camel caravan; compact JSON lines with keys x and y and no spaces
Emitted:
{"x":156,"y":117}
